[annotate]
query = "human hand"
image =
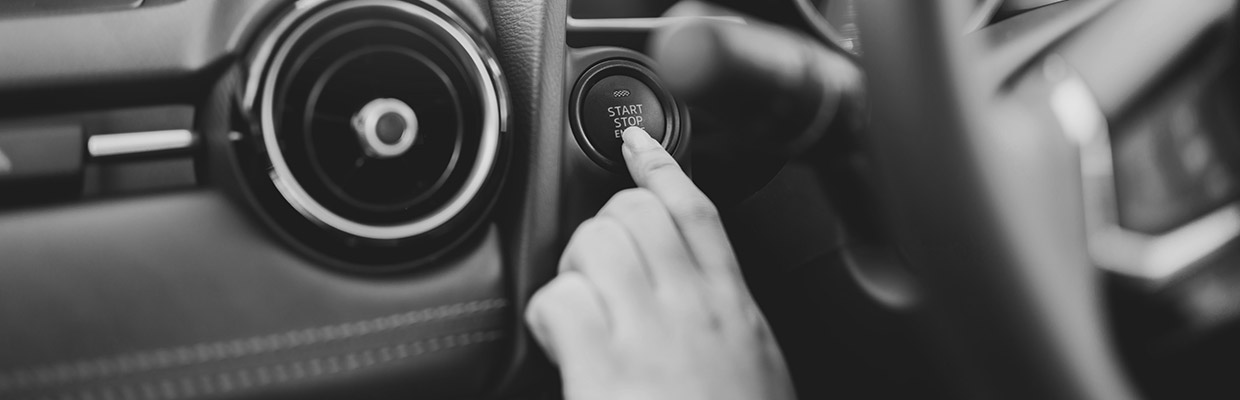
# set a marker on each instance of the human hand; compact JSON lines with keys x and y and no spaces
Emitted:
{"x":650,"y":303}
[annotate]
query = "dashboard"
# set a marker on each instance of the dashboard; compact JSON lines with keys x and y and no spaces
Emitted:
{"x":247,"y":199}
{"x":256,"y":199}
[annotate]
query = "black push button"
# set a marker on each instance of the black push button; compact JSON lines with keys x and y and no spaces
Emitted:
{"x":614,"y":95}
{"x":616,"y":103}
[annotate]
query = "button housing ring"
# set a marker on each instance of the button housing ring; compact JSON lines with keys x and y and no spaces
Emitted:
{"x":623,"y":67}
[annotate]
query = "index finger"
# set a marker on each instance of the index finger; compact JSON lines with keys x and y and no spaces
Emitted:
{"x":654,"y":169}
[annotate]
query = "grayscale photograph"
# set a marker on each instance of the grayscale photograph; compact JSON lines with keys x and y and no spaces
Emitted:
{"x":619,"y":199}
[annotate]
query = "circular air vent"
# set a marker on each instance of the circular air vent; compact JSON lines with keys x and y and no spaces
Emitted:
{"x":379,"y":121}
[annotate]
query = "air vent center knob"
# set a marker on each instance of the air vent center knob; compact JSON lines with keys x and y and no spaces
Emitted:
{"x":386,"y":128}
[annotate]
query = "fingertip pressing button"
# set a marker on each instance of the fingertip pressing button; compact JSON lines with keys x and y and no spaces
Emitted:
{"x":615,"y":96}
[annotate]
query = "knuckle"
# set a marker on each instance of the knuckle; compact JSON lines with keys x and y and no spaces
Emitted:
{"x":585,"y":229}
{"x":732,"y":291}
{"x":694,"y":209}
{"x":754,"y":325}
{"x":654,"y":164}
{"x":708,"y":318}
{"x":576,"y":244}
{"x":544,"y":297}
{"x":594,"y":229}
{"x":747,"y":315}
{"x":560,"y":290}
{"x":537,"y":307}
{"x":634,"y":199}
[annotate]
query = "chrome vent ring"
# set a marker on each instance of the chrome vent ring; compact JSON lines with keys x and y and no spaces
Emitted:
{"x":376,"y":120}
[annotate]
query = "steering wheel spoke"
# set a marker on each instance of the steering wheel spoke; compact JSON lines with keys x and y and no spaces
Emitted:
{"x":1150,"y":256}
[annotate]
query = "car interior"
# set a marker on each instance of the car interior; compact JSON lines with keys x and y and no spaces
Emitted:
{"x":932,"y":199}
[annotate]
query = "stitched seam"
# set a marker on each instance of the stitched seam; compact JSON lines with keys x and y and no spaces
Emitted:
{"x":236,"y":348}
{"x":225,"y":382}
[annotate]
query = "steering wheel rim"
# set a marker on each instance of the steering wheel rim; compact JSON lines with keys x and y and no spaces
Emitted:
{"x":986,"y":206}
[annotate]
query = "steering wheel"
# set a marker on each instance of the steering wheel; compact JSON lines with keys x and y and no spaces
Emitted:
{"x":996,"y":173}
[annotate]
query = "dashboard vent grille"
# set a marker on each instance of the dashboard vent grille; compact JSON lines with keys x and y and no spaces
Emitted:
{"x":379,"y":125}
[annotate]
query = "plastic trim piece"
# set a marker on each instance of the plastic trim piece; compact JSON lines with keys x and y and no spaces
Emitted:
{"x":1154,"y":257}
{"x":487,"y":78}
{"x":133,"y":143}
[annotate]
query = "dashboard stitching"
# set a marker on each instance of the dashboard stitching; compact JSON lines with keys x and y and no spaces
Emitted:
{"x":235,"y":348}
{"x":199,"y":385}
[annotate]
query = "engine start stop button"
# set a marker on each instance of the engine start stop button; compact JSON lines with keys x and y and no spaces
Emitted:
{"x":613,"y":96}
{"x":616,"y":103}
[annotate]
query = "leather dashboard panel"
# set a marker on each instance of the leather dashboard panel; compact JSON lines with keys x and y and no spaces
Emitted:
{"x":180,"y":296}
